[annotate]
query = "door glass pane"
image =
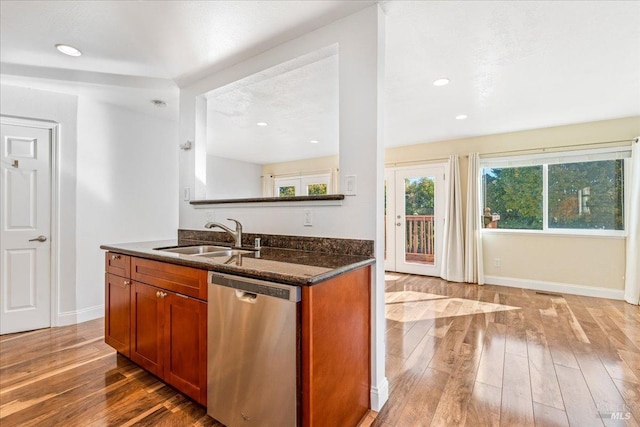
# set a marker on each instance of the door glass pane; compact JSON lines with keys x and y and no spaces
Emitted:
{"x":420,"y":227}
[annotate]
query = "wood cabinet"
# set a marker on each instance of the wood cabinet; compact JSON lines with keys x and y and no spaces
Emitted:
{"x":117,"y":321}
{"x":163,"y":331}
{"x":336,"y":335}
{"x":117,"y":299}
{"x":156,"y":314}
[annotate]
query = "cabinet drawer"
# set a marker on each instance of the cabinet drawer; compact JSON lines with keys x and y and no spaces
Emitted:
{"x":118,"y":264}
{"x":183,"y":280}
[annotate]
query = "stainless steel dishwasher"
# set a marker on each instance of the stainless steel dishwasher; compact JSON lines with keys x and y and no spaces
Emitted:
{"x":252,"y":352}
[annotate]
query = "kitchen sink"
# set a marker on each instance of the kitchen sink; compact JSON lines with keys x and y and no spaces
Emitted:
{"x":228,"y":252}
{"x":206,"y":250}
{"x":195,"y":250}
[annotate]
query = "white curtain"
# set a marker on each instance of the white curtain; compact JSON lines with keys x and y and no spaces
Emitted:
{"x":452,"y":267}
{"x":632,"y":275}
{"x":334,"y":184}
{"x":473,"y":268}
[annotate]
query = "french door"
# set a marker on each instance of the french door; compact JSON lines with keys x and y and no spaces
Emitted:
{"x":414,"y":218}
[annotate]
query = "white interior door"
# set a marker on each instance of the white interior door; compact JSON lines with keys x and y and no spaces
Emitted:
{"x":415,"y":219}
{"x":25,"y":200}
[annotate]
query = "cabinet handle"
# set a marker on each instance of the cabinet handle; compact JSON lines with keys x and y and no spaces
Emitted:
{"x":158,"y":294}
{"x":127,"y":282}
{"x":163,"y":294}
{"x":115,"y":257}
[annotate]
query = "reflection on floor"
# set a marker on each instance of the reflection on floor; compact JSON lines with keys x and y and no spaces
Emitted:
{"x":539,"y":360}
{"x":410,"y":306}
{"x":555,"y":361}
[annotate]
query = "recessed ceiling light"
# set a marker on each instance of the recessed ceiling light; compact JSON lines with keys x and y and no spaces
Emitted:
{"x":261,"y":123}
{"x":159,"y":103}
{"x":441,"y":82}
{"x":68,"y":50}
{"x":313,"y":141}
{"x":461,"y":117}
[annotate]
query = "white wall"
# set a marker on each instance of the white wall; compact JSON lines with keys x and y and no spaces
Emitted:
{"x":230,"y":179}
{"x":590,"y":265}
{"x":117,"y":182}
{"x":126,"y":187}
{"x":361,"y":67}
{"x":63,"y":109}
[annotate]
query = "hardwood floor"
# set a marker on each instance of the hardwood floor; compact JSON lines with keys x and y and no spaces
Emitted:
{"x":466,"y":355}
{"x":69,"y":377}
{"x":457,"y":355}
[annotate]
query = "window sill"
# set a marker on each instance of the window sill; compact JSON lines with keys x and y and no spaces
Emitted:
{"x":614,"y":234}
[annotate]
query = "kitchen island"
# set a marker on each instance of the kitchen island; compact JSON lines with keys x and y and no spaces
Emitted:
{"x":156,"y":304}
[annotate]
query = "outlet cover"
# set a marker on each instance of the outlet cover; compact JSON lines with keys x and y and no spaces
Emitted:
{"x":308,"y":217}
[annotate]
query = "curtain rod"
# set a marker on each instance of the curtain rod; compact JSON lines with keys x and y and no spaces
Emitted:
{"x":522,"y":150}
{"x":556,"y":148}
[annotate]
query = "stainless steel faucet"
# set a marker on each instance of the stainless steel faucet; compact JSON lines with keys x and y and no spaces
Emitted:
{"x":237,"y":234}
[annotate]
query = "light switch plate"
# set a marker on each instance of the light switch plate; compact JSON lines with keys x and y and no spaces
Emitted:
{"x":186,"y":194}
{"x":308,"y":217}
{"x":350,"y":185}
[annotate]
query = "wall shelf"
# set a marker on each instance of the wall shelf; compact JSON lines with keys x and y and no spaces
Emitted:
{"x":325,"y":199}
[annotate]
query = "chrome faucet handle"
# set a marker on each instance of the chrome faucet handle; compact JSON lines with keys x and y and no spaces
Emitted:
{"x":238,"y":225}
{"x":238,"y":232}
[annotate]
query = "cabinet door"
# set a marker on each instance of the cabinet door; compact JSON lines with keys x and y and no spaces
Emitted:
{"x":146,"y":327}
{"x":117,"y":322}
{"x":185,"y":345}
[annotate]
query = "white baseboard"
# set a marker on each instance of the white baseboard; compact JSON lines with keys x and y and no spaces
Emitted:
{"x":561,"y":288}
{"x":379,"y":395}
{"x":78,"y":316}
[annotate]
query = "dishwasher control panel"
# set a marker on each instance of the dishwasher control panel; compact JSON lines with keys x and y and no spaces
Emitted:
{"x":255,"y":286}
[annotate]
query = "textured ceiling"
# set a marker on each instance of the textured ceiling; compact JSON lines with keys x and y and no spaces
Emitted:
{"x":299,"y":102}
{"x":513,"y":65}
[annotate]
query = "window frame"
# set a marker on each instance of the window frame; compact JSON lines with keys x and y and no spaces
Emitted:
{"x":301,"y":183}
{"x":561,"y":157}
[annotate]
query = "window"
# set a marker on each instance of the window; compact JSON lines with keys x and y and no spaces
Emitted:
{"x":587,"y":195}
{"x":516,"y":195}
{"x":570,"y":191}
{"x":306,"y":185}
{"x":286,"y":191}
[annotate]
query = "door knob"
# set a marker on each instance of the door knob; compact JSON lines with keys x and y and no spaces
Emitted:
{"x":398,"y":224}
{"x":39,"y":239}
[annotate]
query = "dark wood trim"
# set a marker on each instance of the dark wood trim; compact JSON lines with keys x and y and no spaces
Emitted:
{"x":324,"y":197}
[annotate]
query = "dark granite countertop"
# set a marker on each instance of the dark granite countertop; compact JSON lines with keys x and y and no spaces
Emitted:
{"x":288,"y":266}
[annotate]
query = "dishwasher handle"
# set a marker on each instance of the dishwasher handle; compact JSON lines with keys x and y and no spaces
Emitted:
{"x":245,"y":296}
